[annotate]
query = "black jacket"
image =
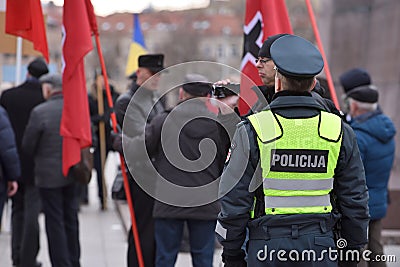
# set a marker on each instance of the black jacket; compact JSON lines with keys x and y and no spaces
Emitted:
{"x":349,"y":185}
{"x":174,"y":140}
{"x":19,"y":102}
{"x":95,"y":118}
{"x":9,"y":161}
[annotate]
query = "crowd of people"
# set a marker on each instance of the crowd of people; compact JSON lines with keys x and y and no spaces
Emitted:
{"x":295,"y":173}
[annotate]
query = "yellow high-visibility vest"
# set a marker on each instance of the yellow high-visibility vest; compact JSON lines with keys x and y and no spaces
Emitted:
{"x":298,"y":158}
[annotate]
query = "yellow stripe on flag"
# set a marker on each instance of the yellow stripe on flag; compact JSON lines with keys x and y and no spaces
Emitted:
{"x":135,"y":51}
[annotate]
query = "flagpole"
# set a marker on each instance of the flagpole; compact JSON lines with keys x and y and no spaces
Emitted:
{"x":321,"y":48}
{"x":123,"y":167}
{"x":102,"y":139}
{"x":18,"y":61}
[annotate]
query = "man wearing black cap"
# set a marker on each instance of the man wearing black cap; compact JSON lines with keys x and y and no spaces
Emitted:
{"x":375,"y":137}
{"x":298,"y":155}
{"x":191,"y":123}
{"x":265,"y":66}
{"x":351,"y":79}
{"x":19,"y":101}
{"x":132,"y":118}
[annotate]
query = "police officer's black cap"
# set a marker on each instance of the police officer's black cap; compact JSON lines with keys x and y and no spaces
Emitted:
{"x":365,"y":94}
{"x":196,"y":85}
{"x":296,"y":57}
{"x":153,"y":62}
{"x":37,"y":68}
{"x":354,"y":78}
{"x":264,"y":50}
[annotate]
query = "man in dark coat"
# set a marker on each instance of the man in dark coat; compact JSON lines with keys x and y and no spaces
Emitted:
{"x":132,"y":118}
{"x":95,"y":119}
{"x":18,"y":102}
{"x":10,"y":169}
{"x":191,"y":123}
{"x":59,"y":194}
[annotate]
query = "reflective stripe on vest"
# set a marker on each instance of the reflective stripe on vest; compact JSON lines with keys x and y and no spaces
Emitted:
{"x":298,"y":159}
{"x":299,"y":184}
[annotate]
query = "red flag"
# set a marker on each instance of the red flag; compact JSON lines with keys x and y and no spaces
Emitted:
{"x":263,"y":18}
{"x":79,"y":22}
{"x":24,"y":18}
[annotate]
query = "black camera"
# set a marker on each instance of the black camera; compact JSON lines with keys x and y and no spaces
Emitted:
{"x":225,"y":90}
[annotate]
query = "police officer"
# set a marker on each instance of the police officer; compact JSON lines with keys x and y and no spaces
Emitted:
{"x":293,"y":172}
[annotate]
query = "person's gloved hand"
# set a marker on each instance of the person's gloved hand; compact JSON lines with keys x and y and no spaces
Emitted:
{"x":116,"y":141}
{"x":231,"y":260}
{"x":98,"y":118}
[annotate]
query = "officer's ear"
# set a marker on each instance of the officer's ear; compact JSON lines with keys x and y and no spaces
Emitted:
{"x":278,"y":83}
{"x":313,"y":85}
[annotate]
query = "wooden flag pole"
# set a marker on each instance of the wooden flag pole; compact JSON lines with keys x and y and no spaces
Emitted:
{"x":321,"y":49}
{"x":123,"y":167}
{"x":102,"y":137}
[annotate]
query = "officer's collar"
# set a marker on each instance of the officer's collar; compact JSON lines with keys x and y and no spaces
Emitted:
{"x":289,"y":99}
{"x":264,"y":92}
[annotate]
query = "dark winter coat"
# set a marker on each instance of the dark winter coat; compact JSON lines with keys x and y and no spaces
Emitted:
{"x":375,"y":137}
{"x":9,"y":160}
{"x":95,"y":118}
{"x":19,"y":102}
{"x":189,"y":124}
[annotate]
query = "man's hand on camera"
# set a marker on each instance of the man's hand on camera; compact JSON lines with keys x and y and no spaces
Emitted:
{"x":227,"y":104}
{"x":223,"y":82}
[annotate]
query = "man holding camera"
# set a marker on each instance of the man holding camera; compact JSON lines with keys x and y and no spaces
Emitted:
{"x":265,"y":66}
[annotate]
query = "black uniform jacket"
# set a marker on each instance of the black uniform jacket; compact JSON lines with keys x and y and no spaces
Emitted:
{"x":349,"y":179}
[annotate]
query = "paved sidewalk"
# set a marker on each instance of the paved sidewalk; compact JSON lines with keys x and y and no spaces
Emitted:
{"x":102,"y":238}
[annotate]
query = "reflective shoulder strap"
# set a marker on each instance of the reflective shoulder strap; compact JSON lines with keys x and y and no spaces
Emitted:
{"x":330,"y":126}
{"x":266,"y":126}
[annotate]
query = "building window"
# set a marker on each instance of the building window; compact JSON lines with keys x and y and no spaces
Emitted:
{"x":234,"y":50}
{"x":105,"y":26}
{"x":220,"y":51}
{"x":207,"y":51}
{"x":120,"y":26}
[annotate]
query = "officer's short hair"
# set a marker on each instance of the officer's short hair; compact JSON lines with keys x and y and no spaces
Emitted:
{"x":294,"y":84}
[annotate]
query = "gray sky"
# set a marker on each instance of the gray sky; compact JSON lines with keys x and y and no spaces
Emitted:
{"x":106,"y":7}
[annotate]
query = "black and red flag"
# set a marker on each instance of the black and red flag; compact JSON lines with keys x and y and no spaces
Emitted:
{"x":263,"y":18}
